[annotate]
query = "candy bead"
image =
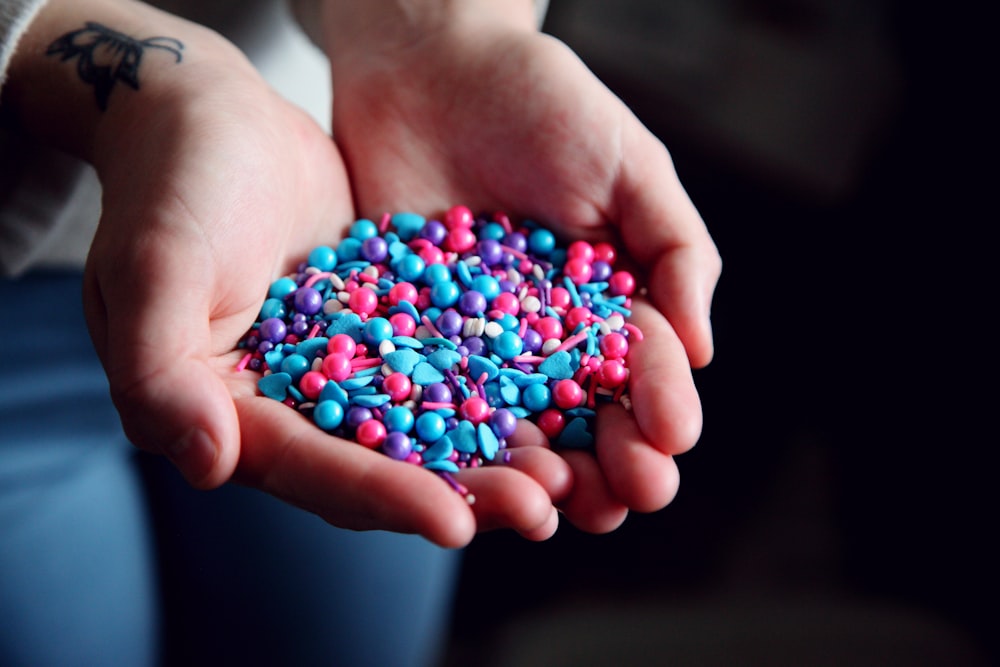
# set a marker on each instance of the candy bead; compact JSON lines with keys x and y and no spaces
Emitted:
{"x":612,"y":374}
{"x":536,"y":397}
{"x":328,"y":415}
{"x":363,"y":301}
{"x":551,"y":422}
{"x":621,"y":283}
{"x":614,"y":346}
{"x":458,"y":217}
{"x":323,"y":258}
{"x":312,"y":383}
{"x":430,"y":426}
{"x":398,"y":386}
{"x":337,"y":367}
{"x":399,"y":419}
{"x":397,"y":445}
{"x":541,"y":242}
{"x":343,"y":344}
{"x":370,"y":433}
{"x":475,"y":409}
{"x":567,"y":394}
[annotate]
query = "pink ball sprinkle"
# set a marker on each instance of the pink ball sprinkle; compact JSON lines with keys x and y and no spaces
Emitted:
{"x":432,"y":255}
{"x":612,"y":374}
{"x":459,"y":217}
{"x":403,"y":324}
{"x":580,"y":250}
{"x":605,"y":252}
{"x":363,"y":301}
{"x":507,"y":302}
{"x":475,"y":409}
{"x":402,"y":292}
{"x":398,"y":386}
{"x":577,"y":316}
{"x":621,"y":283}
{"x":343,"y":344}
{"x":578,"y":270}
{"x":337,"y":366}
{"x":559,"y":298}
{"x":551,"y":422}
{"x":567,"y":394}
{"x":614,"y":346}
{"x":460,"y":239}
{"x":370,"y":433}
{"x":312,"y":383}
{"x":549,"y":327}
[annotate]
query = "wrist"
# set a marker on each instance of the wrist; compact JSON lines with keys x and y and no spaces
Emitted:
{"x":380,"y":32}
{"x":86,"y":73}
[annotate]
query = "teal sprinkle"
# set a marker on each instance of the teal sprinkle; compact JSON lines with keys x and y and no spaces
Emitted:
{"x":365,"y":372}
{"x":592,"y":288}
{"x":464,"y":275}
{"x":443,"y":465}
{"x":371,"y":401}
{"x":441,"y":342}
{"x":407,"y":341}
{"x":352,"y":384}
{"x":574,"y":296}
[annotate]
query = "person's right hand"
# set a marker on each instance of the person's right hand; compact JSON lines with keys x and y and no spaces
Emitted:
{"x":213,"y":186}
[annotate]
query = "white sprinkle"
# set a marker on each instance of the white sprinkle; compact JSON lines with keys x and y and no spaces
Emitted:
{"x":549,"y":346}
{"x":493,"y":329}
{"x":332,"y":306}
{"x":531,"y":304}
{"x":385,"y":347}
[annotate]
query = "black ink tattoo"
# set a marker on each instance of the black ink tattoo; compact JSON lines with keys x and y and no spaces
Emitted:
{"x":105,"y":56}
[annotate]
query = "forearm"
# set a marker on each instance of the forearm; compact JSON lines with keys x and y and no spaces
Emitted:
{"x":92,"y":69}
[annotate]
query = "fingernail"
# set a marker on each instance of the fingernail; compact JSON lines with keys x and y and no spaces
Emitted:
{"x":194,"y":455}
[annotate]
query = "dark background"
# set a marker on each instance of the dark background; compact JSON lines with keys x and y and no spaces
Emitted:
{"x":839,"y":506}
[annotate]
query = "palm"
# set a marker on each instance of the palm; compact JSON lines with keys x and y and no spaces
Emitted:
{"x":516,"y":123}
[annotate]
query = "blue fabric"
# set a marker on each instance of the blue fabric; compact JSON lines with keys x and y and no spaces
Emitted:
{"x":108,"y":557}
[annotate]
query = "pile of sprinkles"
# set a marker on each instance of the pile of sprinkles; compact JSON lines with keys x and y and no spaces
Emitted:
{"x":428,"y":339}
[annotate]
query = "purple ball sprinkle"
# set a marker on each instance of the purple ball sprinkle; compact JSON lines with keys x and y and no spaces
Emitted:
{"x":273,"y":330}
{"x":449,"y":323}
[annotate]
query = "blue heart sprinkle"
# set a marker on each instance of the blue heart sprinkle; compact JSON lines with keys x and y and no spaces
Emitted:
{"x":398,"y":250}
{"x":403,"y":361}
{"x":443,"y":359}
{"x":479,"y":365}
{"x":407,"y":341}
{"x":557,"y":366}
{"x":407,"y":224}
{"x":354,"y":383}
{"x":519,"y":412}
{"x":275,"y":385}
{"x":308,"y":348}
{"x":523,"y":380}
{"x":425,"y":374}
{"x":509,"y":392}
{"x":333,"y":391}
{"x":274,"y":357}
{"x":372,"y":400}
{"x":465,"y":437}
{"x":488,"y":443}
{"x":443,"y":465}
{"x":347,"y":323}
{"x":441,"y":449}
{"x":576,"y":435}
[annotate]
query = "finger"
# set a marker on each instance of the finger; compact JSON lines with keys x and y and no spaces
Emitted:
{"x":155,"y":344}
{"x":638,"y":474}
{"x":508,"y":498}
{"x":592,"y":505}
{"x":661,"y":389}
{"x":663,"y":230}
{"x":345,"y":483}
{"x":544,"y":466}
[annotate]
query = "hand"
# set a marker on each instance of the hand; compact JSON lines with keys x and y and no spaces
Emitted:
{"x":486,"y":112}
{"x":212,"y":187}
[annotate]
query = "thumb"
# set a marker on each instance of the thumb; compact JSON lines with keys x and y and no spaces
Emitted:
{"x":150,"y":321}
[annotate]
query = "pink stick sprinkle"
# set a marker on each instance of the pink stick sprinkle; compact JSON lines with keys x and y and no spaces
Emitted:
{"x":504,"y":222}
{"x":383,"y":224}
{"x":522,"y":328}
{"x":634,"y":330}
{"x":365,"y":278}
{"x":313,"y":331}
{"x":364,"y":362}
{"x":515,"y":253}
{"x":316,"y":277}
{"x":244,"y":361}
{"x":437,"y":405}
{"x":572,"y":341}
{"x":430,"y":327}
{"x":528,"y":359}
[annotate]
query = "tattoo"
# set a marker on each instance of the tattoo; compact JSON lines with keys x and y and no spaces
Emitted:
{"x":105,"y":56}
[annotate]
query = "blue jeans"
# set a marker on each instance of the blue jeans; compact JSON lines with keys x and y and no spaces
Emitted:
{"x":108,"y":557}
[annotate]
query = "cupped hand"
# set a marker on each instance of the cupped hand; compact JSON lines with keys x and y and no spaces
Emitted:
{"x":497,"y":117}
{"x":213,"y":186}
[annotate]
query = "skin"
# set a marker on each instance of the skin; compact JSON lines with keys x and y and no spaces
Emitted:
{"x":213,"y":186}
